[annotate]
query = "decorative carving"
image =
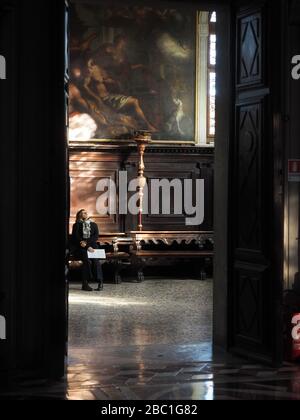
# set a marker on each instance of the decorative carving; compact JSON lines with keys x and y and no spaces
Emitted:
{"x":249,"y":173}
{"x":142,"y":258}
{"x":127,"y":149}
{"x":142,"y":139}
{"x":115,"y":240}
{"x":249,"y":306}
{"x":256,"y":273}
{"x":170,"y":238}
{"x":250,"y":44}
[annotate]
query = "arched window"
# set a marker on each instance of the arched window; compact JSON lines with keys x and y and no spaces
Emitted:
{"x":213,"y":17}
{"x":212,"y":55}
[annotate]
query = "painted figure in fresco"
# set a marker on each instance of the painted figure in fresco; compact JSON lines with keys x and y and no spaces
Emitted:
{"x":95,"y":119}
{"x":179,"y":122}
{"x":134,"y":66}
{"x":96,"y":85}
{"x":113,"y":57}
{"x":78,"y":103}
{"x":82,"y":106}
{"x":80,"y":51}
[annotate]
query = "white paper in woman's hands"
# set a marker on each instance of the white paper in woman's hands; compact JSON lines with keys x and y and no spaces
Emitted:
{"x":98,"y":254}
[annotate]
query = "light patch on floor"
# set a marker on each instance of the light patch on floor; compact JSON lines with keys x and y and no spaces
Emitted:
{"x":156,"y":312}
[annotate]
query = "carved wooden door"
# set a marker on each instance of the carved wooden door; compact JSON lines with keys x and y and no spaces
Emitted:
{"x":256,"y":213}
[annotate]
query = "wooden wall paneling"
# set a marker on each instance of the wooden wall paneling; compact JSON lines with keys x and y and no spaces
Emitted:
{"x":88,"y":167}
{"x":86,"y":170}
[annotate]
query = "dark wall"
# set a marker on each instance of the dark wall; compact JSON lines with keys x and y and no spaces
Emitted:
{"x":292,"y":132}
{"x":33,"y":172}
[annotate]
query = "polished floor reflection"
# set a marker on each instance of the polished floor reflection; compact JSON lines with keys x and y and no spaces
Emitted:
{"x":152,"y":341}
{"x":116,"y":380}
{"x":184,"y":381}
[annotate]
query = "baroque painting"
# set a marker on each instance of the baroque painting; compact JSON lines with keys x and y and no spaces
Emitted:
{"x":132,"y":68}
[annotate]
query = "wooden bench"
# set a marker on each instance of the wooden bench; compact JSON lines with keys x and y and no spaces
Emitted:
{"x":157,"y":245}
{"x":118,"y":257}
{"x":141,"y":249}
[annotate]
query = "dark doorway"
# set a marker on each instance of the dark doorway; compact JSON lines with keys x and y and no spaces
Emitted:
{"x":248,"y":168}
{"x":159,"y":312}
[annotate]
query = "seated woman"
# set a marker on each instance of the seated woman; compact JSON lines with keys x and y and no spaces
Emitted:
{"x":85,"y":239}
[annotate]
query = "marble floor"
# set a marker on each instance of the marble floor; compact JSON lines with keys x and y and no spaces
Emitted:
{"x":167,"y":373}
{"x":155,"y":312}
{"x":152,"y":341}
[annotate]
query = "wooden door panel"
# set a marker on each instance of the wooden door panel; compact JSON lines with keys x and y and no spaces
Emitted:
{"x":254,"y":307}
{"x":250,"y":44}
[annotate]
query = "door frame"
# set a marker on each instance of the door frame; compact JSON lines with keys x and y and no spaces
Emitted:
{"x":224,"y":322}
{"x":224,"y":124}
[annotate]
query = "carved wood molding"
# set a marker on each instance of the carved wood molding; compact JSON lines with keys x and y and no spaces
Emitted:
{"x":182,"y":150}
{"x":191,"y":150}
{"x":170,"y":238}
